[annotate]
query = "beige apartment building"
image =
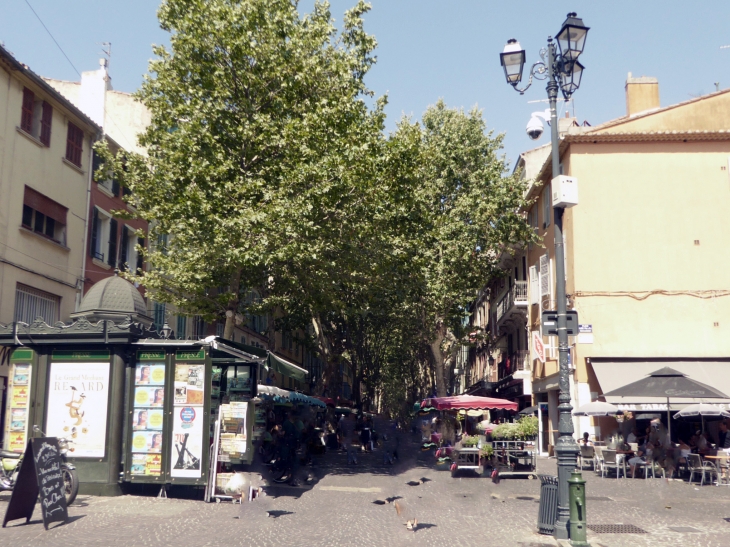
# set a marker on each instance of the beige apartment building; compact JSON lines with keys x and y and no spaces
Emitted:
{"x":45,"y":175}
{"x":647,"y":261}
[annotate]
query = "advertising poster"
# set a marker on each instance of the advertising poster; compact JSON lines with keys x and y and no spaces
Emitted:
{"x":19,"y":396}
{"x":189,"y":381}
{"x":147,"y":419}
{"x":18,"y":419}
{"x":149,"y":396}
{"x":152,"y":374}
{"x":147,"y":442}
{"x":78,"y":396}
{"x":16,"y":441}
{"x":21,"y":375}
{"x":16,"y":407}
{"x":187,"y":442}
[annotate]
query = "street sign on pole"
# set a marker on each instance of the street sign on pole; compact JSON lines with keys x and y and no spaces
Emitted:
{"x":549,"y":323}
{"x":538,"y":345}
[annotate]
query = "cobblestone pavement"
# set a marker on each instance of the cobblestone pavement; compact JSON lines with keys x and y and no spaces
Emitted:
{"x":341,"y":509}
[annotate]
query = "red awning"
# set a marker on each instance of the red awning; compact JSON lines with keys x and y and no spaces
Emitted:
{"x":468,"y":402}
{"x":326,"y":400}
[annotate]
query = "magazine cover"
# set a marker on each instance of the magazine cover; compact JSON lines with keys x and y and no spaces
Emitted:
{"x":152,"y":374}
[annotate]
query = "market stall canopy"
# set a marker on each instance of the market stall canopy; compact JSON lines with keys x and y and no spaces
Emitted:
{"x":285,"y":368}
{"x":596,"y":408}
{"x":285,"y":396}
{"x":467,"y":402}
{"x":326,"y":400}
{"x":616,"y":373}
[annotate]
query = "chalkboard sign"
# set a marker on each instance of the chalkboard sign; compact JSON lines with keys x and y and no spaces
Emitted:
{"x":40,"y":473}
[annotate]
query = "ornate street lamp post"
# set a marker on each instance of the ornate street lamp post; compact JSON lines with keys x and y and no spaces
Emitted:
{"x":561,"y":68}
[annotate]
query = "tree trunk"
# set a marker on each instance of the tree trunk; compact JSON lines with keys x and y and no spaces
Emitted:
{"x":325,"y":352}
{"x":232,"y":306}
{"x":438,"y":357}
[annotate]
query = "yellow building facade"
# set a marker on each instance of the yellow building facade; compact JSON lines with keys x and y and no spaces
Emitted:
{"x":647,"y":261}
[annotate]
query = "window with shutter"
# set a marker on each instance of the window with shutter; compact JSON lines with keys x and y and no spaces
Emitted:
{"x":546,"y":206}
{"x":123,"y":249}
{"x":544,"y":275}
{"x":112,"y":258}
{"x":46,"y":118}
{"x":94,"y":233}
{"x":26,"y":113}
{"x":534,"y":286}
{"x":140,"y":260}
{"x":74,"y":144}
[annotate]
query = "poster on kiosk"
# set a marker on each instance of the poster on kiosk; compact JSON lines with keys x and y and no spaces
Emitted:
{"x":188,"y":417}
{"x":78,"y":399}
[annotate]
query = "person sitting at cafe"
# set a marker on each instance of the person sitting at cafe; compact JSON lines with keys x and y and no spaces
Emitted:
{"x":632,"y":437}
{"x":642,"y":455}
{"x":585,"y":441}
{"x":724,"y":437}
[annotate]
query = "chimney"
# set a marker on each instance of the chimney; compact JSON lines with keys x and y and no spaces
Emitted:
{"x":642,"y":95}
{"x":92,"y":98}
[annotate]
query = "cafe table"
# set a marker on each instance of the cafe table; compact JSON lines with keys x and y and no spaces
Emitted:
{"x":721,"y":473}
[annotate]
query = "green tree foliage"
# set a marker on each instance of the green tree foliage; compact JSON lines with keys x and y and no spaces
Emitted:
{"x":257,"y":148}
{"x":268,"y":170}
{"x":468,"y":214}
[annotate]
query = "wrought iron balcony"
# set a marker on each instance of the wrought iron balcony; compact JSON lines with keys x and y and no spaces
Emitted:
{"x":513,"y":303}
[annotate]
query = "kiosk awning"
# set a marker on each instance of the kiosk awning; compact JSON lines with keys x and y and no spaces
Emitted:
{"x":613,"y":374}
{"x":285,"y":368}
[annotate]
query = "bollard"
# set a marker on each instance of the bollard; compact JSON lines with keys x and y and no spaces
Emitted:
{"x":577,"y":493}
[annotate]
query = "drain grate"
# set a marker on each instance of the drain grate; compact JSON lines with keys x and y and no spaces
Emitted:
{"x":684,"y":529}
{"x":616,"y":529}
{"x":598,"y":498}
{"x":527,"y":498}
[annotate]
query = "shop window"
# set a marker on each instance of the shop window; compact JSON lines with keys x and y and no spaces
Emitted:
{"x":31,"y":303}
{"x":44,"y":216}
{"x":36,"y":116}
{"x":74,"y":144}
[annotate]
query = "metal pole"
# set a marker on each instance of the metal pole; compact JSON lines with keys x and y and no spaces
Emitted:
{"x":566,"y":447}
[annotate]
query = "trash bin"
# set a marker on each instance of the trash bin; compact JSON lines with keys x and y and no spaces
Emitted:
{"x":548,"y":513}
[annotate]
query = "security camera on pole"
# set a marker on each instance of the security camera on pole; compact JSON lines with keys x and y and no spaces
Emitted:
{"x":562,"y":70}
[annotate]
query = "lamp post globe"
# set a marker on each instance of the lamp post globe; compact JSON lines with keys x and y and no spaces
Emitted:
{"x":513,"y":59}
{"x":570,"y":81}
{"x":572,"y":37}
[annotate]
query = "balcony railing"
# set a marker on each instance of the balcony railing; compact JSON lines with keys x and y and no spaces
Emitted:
{"x":515,"y":297}
{"x":519,"y":360}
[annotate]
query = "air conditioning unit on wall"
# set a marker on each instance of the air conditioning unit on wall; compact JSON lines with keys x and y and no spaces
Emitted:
{"x":565,"y":191}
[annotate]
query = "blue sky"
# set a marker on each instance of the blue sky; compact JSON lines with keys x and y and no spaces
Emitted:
{"x":430,"y":49}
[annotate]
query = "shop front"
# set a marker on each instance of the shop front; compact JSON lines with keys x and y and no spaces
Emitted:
{"x":138,"y":408}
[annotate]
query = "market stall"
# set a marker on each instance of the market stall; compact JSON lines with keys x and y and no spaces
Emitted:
{"x":513,"y":458}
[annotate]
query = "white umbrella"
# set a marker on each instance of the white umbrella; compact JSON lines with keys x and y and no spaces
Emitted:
{"x":704,"y":410}
{"x":596,"y":408}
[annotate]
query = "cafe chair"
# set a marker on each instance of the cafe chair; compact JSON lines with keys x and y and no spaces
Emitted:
{"x":696,"y":465}
{"x":611,"y":461}
{"x":723,"y":468}
{"x":598,"y":459}
{"x":587,"y":455}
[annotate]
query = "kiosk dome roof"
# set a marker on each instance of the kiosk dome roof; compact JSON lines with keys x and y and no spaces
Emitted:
{"x":113,"y":298}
